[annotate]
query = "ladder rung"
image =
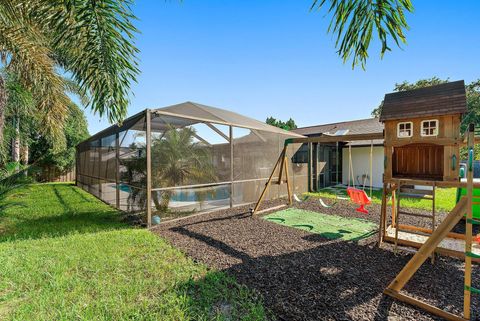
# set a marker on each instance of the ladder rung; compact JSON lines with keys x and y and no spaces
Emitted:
{"x":414,"y":232}
{"x":415,"y":214}
{"x":420,"y":196}
{"x":472,"y":289}
{"x":278,"y":183}
{"x":416,"y":191}
{"x":471,"y":254}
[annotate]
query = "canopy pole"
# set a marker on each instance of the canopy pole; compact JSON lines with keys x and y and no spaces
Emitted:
{"x":371,"y":167}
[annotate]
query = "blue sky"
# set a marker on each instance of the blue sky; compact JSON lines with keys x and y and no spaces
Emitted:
{"x":274,"y":58}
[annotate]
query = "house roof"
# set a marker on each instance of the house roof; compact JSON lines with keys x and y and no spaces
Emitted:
{"x":443,"y":99}
{"x":361,"y":126}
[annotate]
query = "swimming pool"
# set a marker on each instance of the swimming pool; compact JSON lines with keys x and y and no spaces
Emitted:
{"x":214,"y":193}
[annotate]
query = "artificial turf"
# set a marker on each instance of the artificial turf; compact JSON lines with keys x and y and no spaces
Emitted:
{"x":64,"y":255}
{"x":329,"y":226}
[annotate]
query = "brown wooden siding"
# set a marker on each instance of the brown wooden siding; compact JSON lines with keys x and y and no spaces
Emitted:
{"x":418,"y":161}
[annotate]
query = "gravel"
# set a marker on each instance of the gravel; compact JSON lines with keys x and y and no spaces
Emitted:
{"x":303,"y":276}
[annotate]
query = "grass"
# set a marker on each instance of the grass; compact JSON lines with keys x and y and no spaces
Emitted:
{"x":328,"y":226}
{"x":444,"y":199}
{"x":64,"y":255}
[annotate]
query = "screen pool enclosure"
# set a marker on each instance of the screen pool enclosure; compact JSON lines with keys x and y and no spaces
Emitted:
{"x":184,"y":159}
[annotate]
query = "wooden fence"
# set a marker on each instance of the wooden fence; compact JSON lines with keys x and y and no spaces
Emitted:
{"x":54,"y":175}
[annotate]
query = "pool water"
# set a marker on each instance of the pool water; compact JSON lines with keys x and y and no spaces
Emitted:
{"x":193,"y":195}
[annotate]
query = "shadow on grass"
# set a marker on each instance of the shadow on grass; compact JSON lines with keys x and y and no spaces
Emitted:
{"x":38,"y":218}
{"x":217,"y":296}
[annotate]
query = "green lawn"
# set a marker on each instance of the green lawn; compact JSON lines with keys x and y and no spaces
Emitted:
{"x":444,"y":199}
{"x":64,"y":255}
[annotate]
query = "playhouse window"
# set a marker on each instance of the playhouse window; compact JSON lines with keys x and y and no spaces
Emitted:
{"x":405,"y":129}
{"x":430,"y":127}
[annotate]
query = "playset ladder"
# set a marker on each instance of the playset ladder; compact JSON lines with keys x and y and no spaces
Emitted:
{"x":464,"y":205}
{"x":410,"y":192}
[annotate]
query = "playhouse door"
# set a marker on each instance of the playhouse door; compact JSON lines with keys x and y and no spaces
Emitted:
{"x":421,"y":161}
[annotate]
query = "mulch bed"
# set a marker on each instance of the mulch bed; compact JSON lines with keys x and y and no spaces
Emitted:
{"x":302,"y":276}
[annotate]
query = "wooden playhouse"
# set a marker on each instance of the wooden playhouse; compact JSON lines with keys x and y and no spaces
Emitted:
{"x":422,"y":141}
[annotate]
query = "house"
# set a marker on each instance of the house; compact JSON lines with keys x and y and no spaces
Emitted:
{"x":330,"y":162}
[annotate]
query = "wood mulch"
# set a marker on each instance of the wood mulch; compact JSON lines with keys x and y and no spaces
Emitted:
{"x":303,"y":276}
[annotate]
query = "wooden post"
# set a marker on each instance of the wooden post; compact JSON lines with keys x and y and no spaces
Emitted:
{"x":267,"y":185}
{"x":117,"y":170}
{"x":433,"y":217}
{"x":383,"y":215}
{"x":429,"y":246}
{"x":395,"y":217}
{"x":280,"y":174}
{"x":468,"y":225}
{"x":148,"y":116}
{"x":309,"y":169}
{"x":231,"y":165}
{"x":285,"y":164}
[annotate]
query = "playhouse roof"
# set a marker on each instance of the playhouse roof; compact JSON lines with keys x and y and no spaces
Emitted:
{"x":443,"y":99}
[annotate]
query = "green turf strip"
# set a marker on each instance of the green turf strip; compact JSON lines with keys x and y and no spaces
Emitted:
{"x":329,"y":226}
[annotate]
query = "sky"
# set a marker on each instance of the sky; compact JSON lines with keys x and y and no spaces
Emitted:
{"x":275,"y":58}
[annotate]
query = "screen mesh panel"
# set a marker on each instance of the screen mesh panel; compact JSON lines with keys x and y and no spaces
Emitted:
{"x":196,"y":164}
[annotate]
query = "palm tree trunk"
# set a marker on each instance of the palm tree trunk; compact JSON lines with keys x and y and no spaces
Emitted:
{"x":16,"y":141}
{"x":25,"y":155}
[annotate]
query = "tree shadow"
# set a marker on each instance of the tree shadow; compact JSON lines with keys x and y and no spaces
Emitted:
{"x":217,"y":296}
{"x":33,"y":221}
{"x":317,"y":278}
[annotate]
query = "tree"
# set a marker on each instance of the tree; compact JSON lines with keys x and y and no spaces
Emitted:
{"x":354,"y":22}
{"x":90,"y":40}
{"x":288,"y":125}
{"x":43,"y":151}
{"x":177,"y":159}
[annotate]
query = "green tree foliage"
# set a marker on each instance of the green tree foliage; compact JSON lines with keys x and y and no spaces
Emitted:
{"x":93,"y":41}
{"x":43,"y":151}
{"x":354,"y":23}
{"x":288,"y":125}
{"x":177,"y":159}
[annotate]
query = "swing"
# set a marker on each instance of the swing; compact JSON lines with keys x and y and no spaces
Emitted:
{"x":326,"y":205}
{"x":297,"y":199}
{"x":359,"y":196}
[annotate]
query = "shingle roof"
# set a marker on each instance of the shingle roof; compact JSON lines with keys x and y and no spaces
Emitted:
{"x":361,"y":126}
{"x":443,"y":99}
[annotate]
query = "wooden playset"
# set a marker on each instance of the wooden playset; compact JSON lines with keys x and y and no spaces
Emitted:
{"x":422,"y":140}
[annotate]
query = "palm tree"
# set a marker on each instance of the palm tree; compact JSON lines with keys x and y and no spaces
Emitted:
{"x":92,"y":41}
{"x":177,"y":160}
{"x":354,"y":22}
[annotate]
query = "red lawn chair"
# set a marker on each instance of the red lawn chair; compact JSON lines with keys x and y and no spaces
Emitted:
{"x":360,"y":197}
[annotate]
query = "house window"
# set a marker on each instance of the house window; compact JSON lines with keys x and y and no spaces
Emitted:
{"x":405,"y":129}
{"x":430,"y":127}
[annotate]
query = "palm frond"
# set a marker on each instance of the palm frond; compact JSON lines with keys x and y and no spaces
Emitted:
{"x":72,"y":87}
{"x":353,"y":23}
{"x":31,"y":61}
{"x":94,"y":40}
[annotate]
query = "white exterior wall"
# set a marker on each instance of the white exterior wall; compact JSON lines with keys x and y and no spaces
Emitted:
{"x":361,"y":164}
